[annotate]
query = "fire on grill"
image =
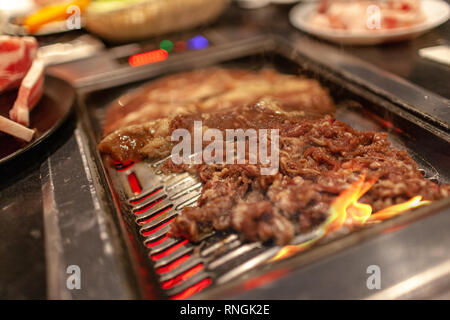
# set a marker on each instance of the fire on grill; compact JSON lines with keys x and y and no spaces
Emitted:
{"x":330,"y":175}
{"x":345,"y":210}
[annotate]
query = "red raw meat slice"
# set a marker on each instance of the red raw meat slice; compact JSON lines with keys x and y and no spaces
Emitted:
{"x":16,"y":57}
{"x":30,"y":92}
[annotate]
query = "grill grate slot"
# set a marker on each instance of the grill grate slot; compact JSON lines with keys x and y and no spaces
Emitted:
{"x":147,"y":197}
{"x":164,"y":245}
{"x":123,"y":166}
{"x":182,"y":277}
{"x":188,"y":283}
{"x":148,"y":231}
{"x":156,"y":241}
{"x":168,"y":250}
{"x":173,"y":265}
{"x":145,"y":209}
{"x":173,"y":256}
{"x":199,"y":286}
{"x":155,"y":215}
{"x":134,"y":183}
{"x":181,"y":269}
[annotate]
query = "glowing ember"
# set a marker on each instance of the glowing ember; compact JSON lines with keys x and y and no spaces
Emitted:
{"x":346,"y":210}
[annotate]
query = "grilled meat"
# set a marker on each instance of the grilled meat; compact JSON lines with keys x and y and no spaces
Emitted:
{"x":319,"y":158}
{"x":213,"y":89}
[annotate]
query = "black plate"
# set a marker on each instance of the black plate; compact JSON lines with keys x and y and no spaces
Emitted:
{"x":46,"y":117}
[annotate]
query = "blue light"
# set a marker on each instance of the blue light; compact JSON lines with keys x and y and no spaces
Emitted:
{"x":198,"y":43}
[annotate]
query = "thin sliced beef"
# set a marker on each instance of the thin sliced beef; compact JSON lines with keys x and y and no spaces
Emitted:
{"x":319,"y":159}
{"x":216,"y":89}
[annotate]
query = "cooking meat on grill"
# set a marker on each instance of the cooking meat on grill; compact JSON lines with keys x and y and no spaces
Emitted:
{"x":153,"y":139}
{"x":212,"y":89}
{"x":137,"y":125}
{"x":319,"y":158}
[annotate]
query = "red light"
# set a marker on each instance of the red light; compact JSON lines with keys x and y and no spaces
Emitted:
{"x":173,"y":264}
{"x":151,"y":204}
{"x":134,"y":183}
{"x":149,"y":232}
{"x":168,"y":251}
{"x":182,"y":277}
{"x":180,"y":46}
{"x":155,"y":215}
{"x":123,"y":166}
{"x":148,"y":57}
{"x":156,"y":242}
{"x":199,"y":286}
{"x":133,"y":202}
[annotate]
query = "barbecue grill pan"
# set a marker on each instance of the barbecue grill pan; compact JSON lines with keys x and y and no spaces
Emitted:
{"x":144,"y":201}
{"x":47,"y":116}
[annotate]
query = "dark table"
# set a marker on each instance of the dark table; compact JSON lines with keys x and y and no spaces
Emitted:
{"x":22,"y":256}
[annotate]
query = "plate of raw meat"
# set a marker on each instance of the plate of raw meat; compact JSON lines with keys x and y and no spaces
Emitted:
{"x":32,"y":105}
{"x":369,"y":22}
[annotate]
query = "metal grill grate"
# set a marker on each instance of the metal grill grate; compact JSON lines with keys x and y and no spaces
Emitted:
{"x":150,"y":200}
{"x":154,"y":200}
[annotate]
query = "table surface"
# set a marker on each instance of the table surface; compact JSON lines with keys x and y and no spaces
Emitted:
{"x":22,"y":263}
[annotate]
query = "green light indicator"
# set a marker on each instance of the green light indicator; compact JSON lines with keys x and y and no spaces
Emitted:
{"x":166,"y":45}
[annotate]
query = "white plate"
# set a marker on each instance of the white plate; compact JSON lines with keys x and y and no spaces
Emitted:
{"x":436,"y":11}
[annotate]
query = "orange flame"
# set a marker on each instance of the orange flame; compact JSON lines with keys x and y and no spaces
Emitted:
{"x":346,"y":210}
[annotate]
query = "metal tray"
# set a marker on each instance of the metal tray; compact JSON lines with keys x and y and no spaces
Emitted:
{"x":358,"y":106}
